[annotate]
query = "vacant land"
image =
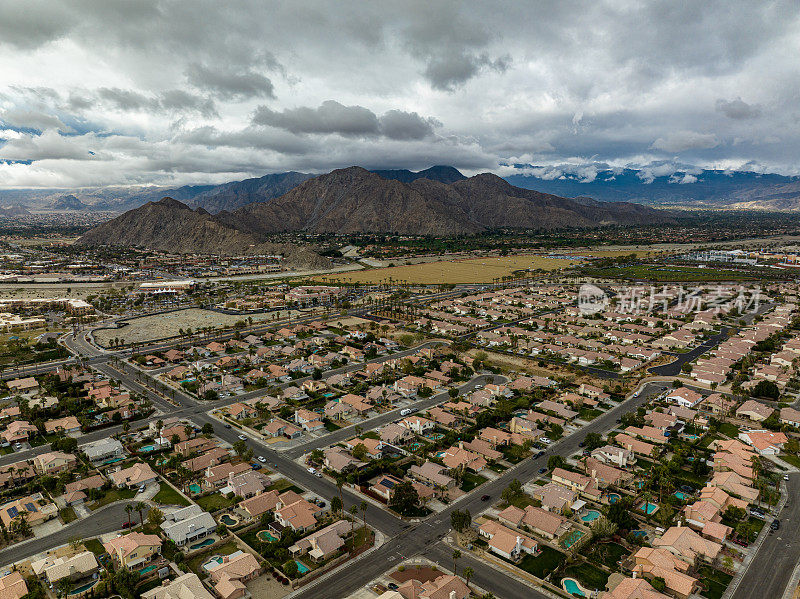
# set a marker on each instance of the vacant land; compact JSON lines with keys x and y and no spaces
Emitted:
{"x":666,"y":273}
{"x":169,"y":324}
{"x":469,"y":270}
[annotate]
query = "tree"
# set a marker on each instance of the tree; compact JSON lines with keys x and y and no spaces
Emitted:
{"x":240,"y":447}
{"x":404,"y":498}
{"x":290,"y":569}
{"x":468,"y":574}
{"x":766,"y":389}
{"x":555,"y":461}
{"x":208,"y":429}
{"x":140,"y":507}
{"x":456,"y":557}
{"x":459,"y":520}
{"x":63,"y":586}
{"x":155,"y":517}
{"x":336,"y":505}
{"x":317,"y":456}
{"x":512,"y":491}
{"x":129,"y":510}
{"x":593,"y":441}
{"x":211,"y":395}
{"x":363,"y":506}
{"x":658,"y":583}
{"x":360,"y":452}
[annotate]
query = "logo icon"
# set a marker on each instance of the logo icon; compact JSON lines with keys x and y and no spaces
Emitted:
{"x":591,"y":299}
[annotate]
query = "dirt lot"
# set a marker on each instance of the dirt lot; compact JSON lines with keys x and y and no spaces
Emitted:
{"x":469,"y":270}
{"x":149,"y":328}
{"x":267,"y":587}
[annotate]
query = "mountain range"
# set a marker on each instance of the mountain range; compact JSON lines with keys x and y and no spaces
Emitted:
{"x":355,"y":200}
{"x":714,"y":189}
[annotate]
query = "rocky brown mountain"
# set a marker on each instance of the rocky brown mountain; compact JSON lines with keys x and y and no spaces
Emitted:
{"x":354,"y":200}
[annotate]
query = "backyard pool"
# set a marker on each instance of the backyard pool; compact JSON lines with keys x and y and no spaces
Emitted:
{"x":572,"y":538}
{"x":415,"y":446}
{"x":149,"y":568}
{"x":648,"y":508}
{"x":440,"y":454}
{"x":572,"y":587}
{"x":147,"y":448}
{"x":613,"y":497}
{"x":265,"y":535}
{"x":83,"y":588}
{"x":229,"y":520}
{"x":213,"y":563}
{"x":195,"y":488}
{"x":112,"y":461}
{"x":302,"y":568}
{"x":201,"y":544}
{"x":590,"y":516}
{"x":639,"y":533}
{"x":680,"y":495}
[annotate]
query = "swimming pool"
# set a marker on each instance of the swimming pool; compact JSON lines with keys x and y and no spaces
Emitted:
{"x":572,"y":538}
{"x":147,"y":448}
{"x":639,"y":533}
{"x":590,"y":516}
{"x":83,"y":588}
{"x":572,"y":587}
{"x":265,"y":535}
{"x":440,"y":454}
{"x":229,"y":520}
{"x":648,"y":508}
{"x":680,"y":495}
{"x":195,"y":488}
{"x":613,"y":497}
{"x":213,"y":563}
{"x":302,"y":568}
{"x":149,"y":568}
{"x":112,"y":461}
{"x":201,"y":544}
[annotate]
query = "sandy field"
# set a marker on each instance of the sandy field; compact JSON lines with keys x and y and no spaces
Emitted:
{"x":468,"y":270}
{"x":149,"y":328}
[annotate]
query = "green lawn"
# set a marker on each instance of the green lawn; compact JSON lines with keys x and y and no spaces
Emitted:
{"x":67,"y":515}
{"x":607,"y":554}
{"x":214,"y":502}
{"x":168,"y":496}
{"x":588,"y":575}
{"x":470,"y":481}
{"x":715,"y":582}
{"x":521,"y":501}
{"x":114,"y":495}
{"x":729,"y":430}
{"x":544,"y":563}
{"x":330,"y":426}
{"x":589,"y":414}
{"x":95,"y":546}
{"x":283,"y":484}
{"x":791,"y":459}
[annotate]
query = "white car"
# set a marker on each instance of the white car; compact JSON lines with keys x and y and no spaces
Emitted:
{"x":312,"y":470}
{"x":243,"y":438}
{"x":262,"y":459}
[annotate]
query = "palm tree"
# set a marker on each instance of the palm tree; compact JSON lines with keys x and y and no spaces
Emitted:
{"x":468,"y":573}
{"x":140,"y":507}
{"x":129,"y":510}
{"x":63,"y":586}
{"x":364,"y":513}
{"x":456,"y":557}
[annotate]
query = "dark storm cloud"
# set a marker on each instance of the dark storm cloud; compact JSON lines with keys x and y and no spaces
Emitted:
{"x":348,"y":121}
{"x":230,"y":86}
{"x":737,"y":109}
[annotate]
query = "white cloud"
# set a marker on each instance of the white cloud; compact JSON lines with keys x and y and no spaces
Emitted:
{"x":167,"y":91}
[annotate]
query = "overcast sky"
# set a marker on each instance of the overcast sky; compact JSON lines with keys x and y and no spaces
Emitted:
{"x":110,"y":92}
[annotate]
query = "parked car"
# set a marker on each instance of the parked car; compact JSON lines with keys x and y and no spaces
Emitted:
{"x":542,"y":470}
{"x":776,"y":524}
{"x":485,"y":497}
{"x":262,"y":459}
{"x":227,"y":426}
{"x":312,"y":470}
{"x":392,"y":586}
{"x":255,"y":466}
{"x":539,"y":454}
{"x":127,"y":524}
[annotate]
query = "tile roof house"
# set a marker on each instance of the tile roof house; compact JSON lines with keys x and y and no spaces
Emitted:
{"x":324,"y":543}
{"x":133,"y":549}
{"x":618,"y":456}
{"x":754,"y":410}
{"x":54,"y":462}
{"x":12,"y":586}
{"x":507,"y":543}
{"x":138,"y":474}
{"x":687,"y":545}
{"x":432,"y":473}
{"x":299,"y":516}
{"x":764,"y":442}
{"x":230,"y":575}
{"x":443,"y":587}
{"x":633,"y":588}
{"x":554,"y":497}
{"x":184,"y":587}
{"x":660,"y":563}
{"x":547,"y":524}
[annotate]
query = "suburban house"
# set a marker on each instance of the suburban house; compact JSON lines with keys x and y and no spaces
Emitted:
{"x":103,"y":450}
{"x":133,"y":549}
{"x":135,"y":476}
{"x":188,"y":585}
{"x":324,"y":543}
{"x":507,"y":543}
{"x":230,"y":575}
{"x":188,"y":524}
{"x":54,"y":462}
{"x":754,"y":411}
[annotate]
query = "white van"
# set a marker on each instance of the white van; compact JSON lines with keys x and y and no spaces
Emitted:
{"x":406,"y":411}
